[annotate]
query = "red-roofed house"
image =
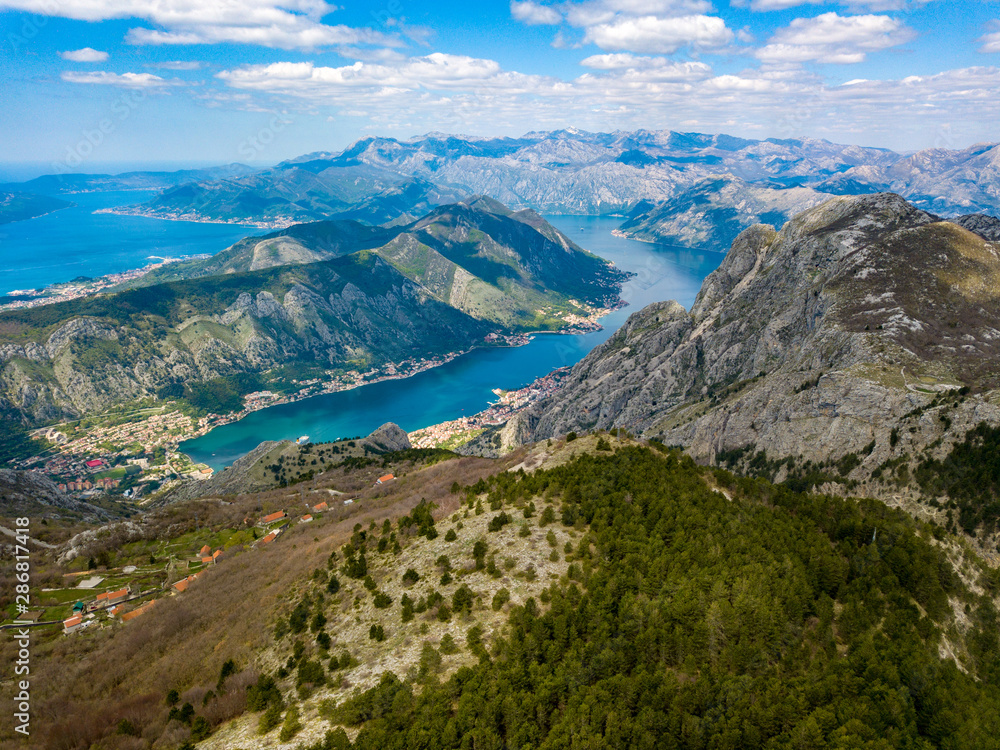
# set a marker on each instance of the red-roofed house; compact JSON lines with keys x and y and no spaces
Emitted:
{"x":276,"y":516}
{"x":138,"y":610}
{"x":182,"y":584}
{"x":110,"y":598}
{"x":384,"y":478}
{"x":321,"y":507}
{"x":216,"y":555}
{"x":305,"y":519}
{"x":206,"y":559}
{"x":268,"y":539}
{"x":206,"y":550}
{"x":95,"y":463}
{"x":72,"y":624}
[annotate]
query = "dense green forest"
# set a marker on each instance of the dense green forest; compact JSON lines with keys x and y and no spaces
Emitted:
{"x":970,"y":477}
{"x":692,"y":619}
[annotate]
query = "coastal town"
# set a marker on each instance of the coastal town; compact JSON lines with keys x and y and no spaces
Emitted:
{"x":135,"y":452}
{"x":457,"y":432}
{"x":81,"y":287}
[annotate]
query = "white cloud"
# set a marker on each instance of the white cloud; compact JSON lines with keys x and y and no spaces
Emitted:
{"x":593,"y":12}
{"x":287,"y":24}
{"x":178,"y":65}
{"x":624,"y":91}
{"x":875,"y":6}
{"x":85,"y":55}
{"x":990,"y":42}
{"x":648,"y":68}
{"x":532,"y":13}
{"x":661,"y":35}
{"x":832,"y":38}
{"x":128,"y":80}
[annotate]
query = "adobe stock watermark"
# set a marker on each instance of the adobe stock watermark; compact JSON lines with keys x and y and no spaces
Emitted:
{"x":384,"y":16}
{"x":22,"y":635}
{"x":32,"y":25}
{"x":254,"y":145}
{"x":91,"y":139}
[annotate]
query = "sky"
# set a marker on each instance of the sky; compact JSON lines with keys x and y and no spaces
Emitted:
{"x":88,"y":82}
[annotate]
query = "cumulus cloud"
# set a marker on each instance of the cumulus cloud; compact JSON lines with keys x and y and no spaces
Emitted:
{"x":128,"y":80}
{"x":990,"y":42}
{"x":661,"y":35}
{"x":649,"y":68}
{"x":85,"y":55}
{"x":656,"y":26}
{"x":832,"y":38}
{"x":532,"y":13}
{"x":286,"y":24}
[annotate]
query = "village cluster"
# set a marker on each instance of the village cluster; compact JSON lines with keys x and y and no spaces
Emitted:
{"x":458,"y":431}
{"x":113,"y":606}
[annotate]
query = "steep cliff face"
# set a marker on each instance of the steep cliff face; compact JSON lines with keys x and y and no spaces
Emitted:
{"x":816,"y":341}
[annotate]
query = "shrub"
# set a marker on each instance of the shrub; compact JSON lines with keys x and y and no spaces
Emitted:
{"x":500,"y":598}
{"x":498,"y":522}
{"x":451,"y":536}
{"x":410,"y":577}
{"x":382,"y":600}
{"x":462,"y":599}
{"x":269,"y":719}
{"x":291,"y":725}
{"x":448,"y":645}
{"x":376,"y":633}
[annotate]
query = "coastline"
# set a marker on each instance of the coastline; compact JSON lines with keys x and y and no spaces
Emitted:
{"x":587,"y":325}
{"x":67,"y":290}
{"x":197,"y":218}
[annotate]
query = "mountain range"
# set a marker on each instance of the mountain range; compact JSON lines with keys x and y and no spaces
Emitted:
{"x":671,"y":186}
{"x":329,"y":295}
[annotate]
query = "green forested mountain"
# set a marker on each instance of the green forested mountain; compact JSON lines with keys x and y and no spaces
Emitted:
{"x":681,"y":607}
{"x":20,"y":206}
{"x":329,"y":295}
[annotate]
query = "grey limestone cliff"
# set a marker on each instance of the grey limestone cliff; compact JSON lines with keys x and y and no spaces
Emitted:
{"x":815,"y":341}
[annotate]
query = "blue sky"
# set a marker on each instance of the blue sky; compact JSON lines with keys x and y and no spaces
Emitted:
{"x":84,"y":82}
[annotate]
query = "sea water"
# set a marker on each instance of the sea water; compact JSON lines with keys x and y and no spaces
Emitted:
{"x":73,"y":242}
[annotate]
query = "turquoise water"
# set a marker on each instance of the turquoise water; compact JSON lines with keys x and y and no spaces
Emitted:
{"x":77,"y":242}
{"x":463,"y":386}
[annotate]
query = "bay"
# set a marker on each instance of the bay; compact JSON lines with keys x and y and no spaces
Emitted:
{"x":75,"y":241}
{"x":464,"y":385}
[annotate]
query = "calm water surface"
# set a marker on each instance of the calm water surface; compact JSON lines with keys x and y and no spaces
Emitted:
{"x":464,"y":385}
{"x":75,"y":241}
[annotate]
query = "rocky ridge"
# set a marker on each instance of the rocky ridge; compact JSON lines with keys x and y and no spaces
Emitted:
{"x":814,"y":342}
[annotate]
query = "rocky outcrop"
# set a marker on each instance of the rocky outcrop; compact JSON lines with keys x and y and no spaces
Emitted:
{"x":986,"y":226}
{"x":816,"y":341}
{"x":250,"y":473}
{"x":388,"y":438}
{"x":25,"y":493}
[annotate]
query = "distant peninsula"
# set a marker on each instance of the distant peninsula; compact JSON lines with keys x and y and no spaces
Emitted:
{"x":21,"y":206}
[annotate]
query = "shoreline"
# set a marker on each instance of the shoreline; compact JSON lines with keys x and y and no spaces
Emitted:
{"x":196,"y":218}
{"x":510,"y":341}
{"x":63,"y":291}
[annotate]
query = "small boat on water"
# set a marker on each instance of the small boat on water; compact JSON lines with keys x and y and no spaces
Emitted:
{"x":302,"y":440}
